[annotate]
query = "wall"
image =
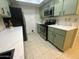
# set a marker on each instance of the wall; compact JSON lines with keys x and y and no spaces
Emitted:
{"x":2,"y":26}
{"x":31,"y":15}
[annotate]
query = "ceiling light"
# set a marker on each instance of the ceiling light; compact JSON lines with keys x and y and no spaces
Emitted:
{"x":32,"y":1}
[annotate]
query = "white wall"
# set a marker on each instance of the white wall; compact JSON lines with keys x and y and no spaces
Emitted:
{"x":31,"y":15}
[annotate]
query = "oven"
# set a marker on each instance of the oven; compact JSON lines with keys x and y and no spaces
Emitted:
{"x":43,"y":31}
{"x":44,"y":28}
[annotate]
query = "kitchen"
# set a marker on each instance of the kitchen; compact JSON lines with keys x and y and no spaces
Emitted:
{"x":39,"y":29}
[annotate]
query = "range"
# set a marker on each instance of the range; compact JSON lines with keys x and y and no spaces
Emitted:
{"x":44,"y":28}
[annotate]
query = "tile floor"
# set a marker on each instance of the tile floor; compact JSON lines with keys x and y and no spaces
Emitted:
{"x":38,"y":48}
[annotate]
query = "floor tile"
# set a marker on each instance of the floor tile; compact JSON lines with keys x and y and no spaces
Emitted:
{"x":37,"y":48}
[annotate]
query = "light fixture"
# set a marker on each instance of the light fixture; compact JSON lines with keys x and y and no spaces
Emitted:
{"x":32,"y":1}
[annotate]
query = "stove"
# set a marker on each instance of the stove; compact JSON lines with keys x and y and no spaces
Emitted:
{"x":44,"y":28}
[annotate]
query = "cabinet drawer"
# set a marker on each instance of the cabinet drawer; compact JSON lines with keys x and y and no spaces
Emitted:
{"x":59,"y":41}
{"x":51,"y":36}
{"x":50,"y":28}
{"x":61,"y":32}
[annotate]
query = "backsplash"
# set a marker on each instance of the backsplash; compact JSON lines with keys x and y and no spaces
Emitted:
{"x":68,"y":20}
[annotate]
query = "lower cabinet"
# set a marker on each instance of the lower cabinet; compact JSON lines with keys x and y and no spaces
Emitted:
{"x":38,"y":28}
{"x":62,"y":39}
{"x":51,"y":36}
{"x":59,"y":41}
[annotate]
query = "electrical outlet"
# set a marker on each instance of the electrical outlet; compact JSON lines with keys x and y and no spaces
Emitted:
{"x":32,"y":30}
{"x":75,"y":20}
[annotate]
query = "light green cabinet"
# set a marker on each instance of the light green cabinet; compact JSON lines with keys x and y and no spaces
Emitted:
{"x":1,"y":7}
{"x":58,"y":8}
{"x":41,"y":11}
{"x":56,"y":37}
{"x":47,"y":6}
{"x":52,"y":2}
{"x":51,"y":36}
{"x":59,"y":40}
{"x":38,"y":28}
{"x":65,"y":7}
{"x":62,"y":7}
{"x":69,"y":7}
{"x":62,"y":39}
{"x":4,"y":8}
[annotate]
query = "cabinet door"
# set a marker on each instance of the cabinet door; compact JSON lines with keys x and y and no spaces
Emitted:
{"x":6,"y":9}
{"x":51,"y":36}
{"x":58,"y":11}
{"x":52,"y":2}
{"x":38,"y":28}
{"x":59,"y":41}
{"x":41,"y":9}
{"x":69,"y":7}
{"x":77,"y":12}
{"x":1,"y":7}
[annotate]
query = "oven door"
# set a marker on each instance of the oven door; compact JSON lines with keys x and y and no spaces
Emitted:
{"x":43,"y":31}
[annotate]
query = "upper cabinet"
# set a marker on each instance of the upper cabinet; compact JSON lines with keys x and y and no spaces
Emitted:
{"x":41,"y":9}
{"x":52,"y":2}
{"x":58,"y":8}
{"x":69,"y":7}
{"x":62,"y":7}
{"x":4,"y":8}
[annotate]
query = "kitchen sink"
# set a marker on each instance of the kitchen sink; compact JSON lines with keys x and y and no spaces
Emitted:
{"x":7,"y":54}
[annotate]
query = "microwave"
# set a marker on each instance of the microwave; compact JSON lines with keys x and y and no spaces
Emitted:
{"x":49,"y":12}
{"x":46,"y":12}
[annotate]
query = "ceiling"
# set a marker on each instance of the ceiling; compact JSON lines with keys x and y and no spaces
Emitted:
{"x":36,"y":3}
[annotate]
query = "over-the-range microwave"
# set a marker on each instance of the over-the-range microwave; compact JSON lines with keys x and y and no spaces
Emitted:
{"x":49,"y":12}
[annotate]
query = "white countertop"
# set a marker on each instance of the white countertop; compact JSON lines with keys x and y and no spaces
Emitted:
{"x":12,"y":39}
{"x":62,"y":27}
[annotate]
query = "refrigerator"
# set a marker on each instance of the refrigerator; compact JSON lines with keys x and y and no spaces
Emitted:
{"x":17,"y":19}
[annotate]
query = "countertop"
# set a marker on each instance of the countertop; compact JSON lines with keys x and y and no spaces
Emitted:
{"x":62,"y":27}
{"x":12,"y":39}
